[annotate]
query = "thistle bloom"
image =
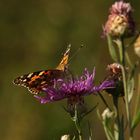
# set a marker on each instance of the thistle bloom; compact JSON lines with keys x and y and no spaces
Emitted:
{"x":73,"y":88}
{"x":120,"y":21}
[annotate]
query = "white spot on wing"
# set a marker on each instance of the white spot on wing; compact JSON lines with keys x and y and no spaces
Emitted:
{"x":24,"y":80}
{"x":29,"y":75}
{"x":41,"y":73}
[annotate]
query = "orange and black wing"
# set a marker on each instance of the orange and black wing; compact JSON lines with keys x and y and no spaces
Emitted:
{"x":64,"y":61}
{"x":37,"y":80}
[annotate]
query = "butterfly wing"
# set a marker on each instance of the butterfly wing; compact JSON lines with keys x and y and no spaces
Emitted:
{"x":37,"y":80}
{"x":64,"y":61}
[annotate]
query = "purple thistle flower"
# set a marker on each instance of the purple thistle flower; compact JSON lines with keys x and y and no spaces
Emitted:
{"x":73,"y":88}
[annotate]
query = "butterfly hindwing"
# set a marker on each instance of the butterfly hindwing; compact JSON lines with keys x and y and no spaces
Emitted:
{"x":37,"y":80}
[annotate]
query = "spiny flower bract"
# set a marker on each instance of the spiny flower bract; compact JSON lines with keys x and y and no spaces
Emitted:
{"x":120,"y":21}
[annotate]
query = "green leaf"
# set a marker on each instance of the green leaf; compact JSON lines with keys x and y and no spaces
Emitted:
{"x":135,"y":121}
{"x":108,"y":131}
{"x":128,"y":59}
{"x":90,"y":132}
{"x":131,"y":83}
{"x":73,"y":138}
{"x":107,"y":124}
{"x":112,"y":50}
{"x":130,"y":89}
{"x":116,"y":131}
{"x":133,"y":40}
{"x":99,"y":115}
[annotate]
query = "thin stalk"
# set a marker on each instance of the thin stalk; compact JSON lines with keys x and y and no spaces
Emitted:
{"x":121,"y":47}
{"x":77,"y":123}
{"x":78,"y":129}
{"x":122,"y":51}
{"x":115,"y":101}
{"x":127,"y":103}
{"x":90,"y":132}
{"x":104,"y":101}
{"x":128,"y":59}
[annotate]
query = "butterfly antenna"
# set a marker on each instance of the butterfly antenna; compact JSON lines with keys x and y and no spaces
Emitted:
{"x":76,"y":53}
{"x":67,"y":50}
{"x":65,"y":60}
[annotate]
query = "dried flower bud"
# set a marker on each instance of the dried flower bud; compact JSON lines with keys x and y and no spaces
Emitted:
{"x":114,"y":69}
{"x":115,"y":74}
{"x":65,"y":137}
{"x":120,"y":21}
{"x":137,"y":46}
{"x":107,"y":114}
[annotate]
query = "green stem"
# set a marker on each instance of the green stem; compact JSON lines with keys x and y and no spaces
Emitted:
{"x":120,"y":130}
{"x":127,"y":104}
{"x":77,"y":123}
{"x":104,"y":101}
{"x":122,"y":51}
{"x":90,"y":132}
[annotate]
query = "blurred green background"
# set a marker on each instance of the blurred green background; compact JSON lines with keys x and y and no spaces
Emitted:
{"x":33,"y":36}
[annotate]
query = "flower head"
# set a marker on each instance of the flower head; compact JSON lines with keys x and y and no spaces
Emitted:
{"x":65,"y":137}
{"x":137,"y":46}
{"x":107,"y":114}
{"x":115,"y":74}
{"x":73,"y":88}
{"x":120,"y":21}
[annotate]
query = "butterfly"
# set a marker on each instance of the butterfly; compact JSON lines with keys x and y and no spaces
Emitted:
{"x":35,"y":81}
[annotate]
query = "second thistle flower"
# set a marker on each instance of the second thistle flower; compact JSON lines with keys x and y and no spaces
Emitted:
{"x":120,"y":21}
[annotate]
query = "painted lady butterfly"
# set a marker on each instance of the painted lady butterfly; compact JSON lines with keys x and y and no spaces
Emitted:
{"x":37,"y":80}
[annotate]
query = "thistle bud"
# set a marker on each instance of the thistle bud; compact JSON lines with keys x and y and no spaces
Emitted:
{"x":137,"y":46}
{"x":115,"y":74}
{"x":120,"y":21}
{"x":107,"y":114}
{"x":65,"y":137}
